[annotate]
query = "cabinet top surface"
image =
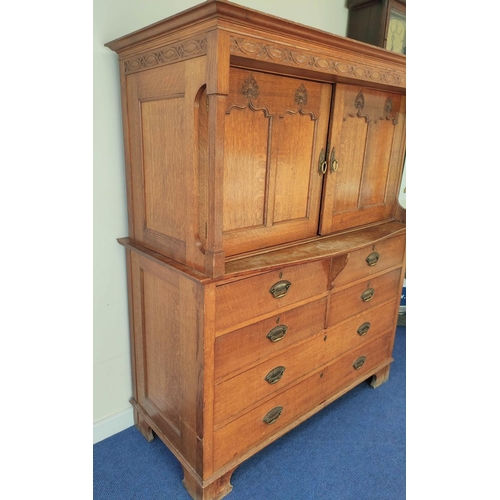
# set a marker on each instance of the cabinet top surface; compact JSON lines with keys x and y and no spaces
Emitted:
{"x":227,"y":15}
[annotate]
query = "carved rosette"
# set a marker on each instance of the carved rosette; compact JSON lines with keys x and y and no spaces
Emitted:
{"x":301,"y":96}
{"x":250,"y":88}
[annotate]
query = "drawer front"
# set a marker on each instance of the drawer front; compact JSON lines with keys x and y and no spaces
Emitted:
{"x":362,"y":328}
{"x":363,"y":296}
{"x":373,"y":259}
{"x":275,"y":374}
{"x":266,"y":338}
{"x":248,"y":298}
{"x":266,"y":420}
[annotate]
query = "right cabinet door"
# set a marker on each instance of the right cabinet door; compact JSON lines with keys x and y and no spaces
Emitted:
{"x":367,"y":136}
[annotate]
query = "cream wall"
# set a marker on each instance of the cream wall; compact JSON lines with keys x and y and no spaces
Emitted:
{"x":112,"y":19}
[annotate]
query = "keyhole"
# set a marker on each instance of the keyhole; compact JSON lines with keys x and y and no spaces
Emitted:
{"x":278,"y":319}
{"x":281,"y":275}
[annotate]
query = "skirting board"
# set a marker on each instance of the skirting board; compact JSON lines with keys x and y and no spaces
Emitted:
{"x":113,"y":424}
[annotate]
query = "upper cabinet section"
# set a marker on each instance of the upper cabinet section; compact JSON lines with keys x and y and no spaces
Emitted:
{"x":244,"y":131}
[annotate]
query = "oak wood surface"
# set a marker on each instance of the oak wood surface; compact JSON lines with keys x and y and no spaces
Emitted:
{"x":226,"y":112}
{"x":233,"y":305}
{"x":241,"y":349}
{"x":248,"y":430}
{"x":348,"y":301}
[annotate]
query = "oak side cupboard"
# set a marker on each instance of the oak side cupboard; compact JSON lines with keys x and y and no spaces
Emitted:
{"x":266,"y":246}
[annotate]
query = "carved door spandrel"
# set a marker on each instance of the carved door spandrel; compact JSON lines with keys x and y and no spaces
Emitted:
{"x":367,"y":136}
{"x":275,"y":129}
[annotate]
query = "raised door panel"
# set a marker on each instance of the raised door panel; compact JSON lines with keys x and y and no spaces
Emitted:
{"x":274,"y":131}
{"x":367,"y":148}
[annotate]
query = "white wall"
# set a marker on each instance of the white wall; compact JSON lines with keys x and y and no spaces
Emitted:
{"x":112,"y":19}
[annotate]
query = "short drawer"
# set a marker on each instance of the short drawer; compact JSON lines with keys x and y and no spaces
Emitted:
{"x":266,"y":338}
{"x":249,"y":298}
{"x":363,"y":296}
{"x":265,"y":422}
{"x":373,"y":259}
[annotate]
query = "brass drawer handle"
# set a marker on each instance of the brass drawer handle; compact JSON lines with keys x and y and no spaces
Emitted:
{"x":280,"y":289}
{"x":363,"y":329}
{"x":277,"y":333}
{"x":367,"y":294}
{"x":372,"y":259}
{"x":275,"y":374}
{"x":273,"y":415}
{"x":359,"y":362}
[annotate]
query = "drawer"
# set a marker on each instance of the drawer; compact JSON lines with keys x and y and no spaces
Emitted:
{"x":281,"y":411}
{"x":362,"y":328}
{"x":249,"y":298}
{"x":373,"y":259}
{"x":261,"y":381}
{"x":266,"y":338}
{"x":363,"y":296}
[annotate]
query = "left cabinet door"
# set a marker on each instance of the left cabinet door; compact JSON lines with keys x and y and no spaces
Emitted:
{"x":275,"y":130}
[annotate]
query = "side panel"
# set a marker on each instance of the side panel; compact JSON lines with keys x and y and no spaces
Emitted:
{"x":166,"y":130}
{"x":169,"y":356}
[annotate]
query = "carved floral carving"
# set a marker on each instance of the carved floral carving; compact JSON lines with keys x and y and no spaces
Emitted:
{"x":359,"y":104}
{"x":250,"y":88}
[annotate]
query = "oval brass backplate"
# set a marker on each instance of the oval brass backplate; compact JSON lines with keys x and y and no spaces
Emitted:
{"x":273,"y":415}
{"x":367,"y":294}
{"x":280,"y":289}
{"x":275,"y":374}
{"x":363,"y":329}
{"x":277,"y":333}
{"x":372,"y":259}
{"x":359,"y":362}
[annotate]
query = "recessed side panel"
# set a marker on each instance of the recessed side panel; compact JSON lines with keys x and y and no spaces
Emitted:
{"x":168,"y":138}
{"x":168,"y":336}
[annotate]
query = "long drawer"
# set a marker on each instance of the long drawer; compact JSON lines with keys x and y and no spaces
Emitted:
{"x":267,"y":419}
{"x":249,"y":298}
{"x":234,"y":395}
{"x":362,"y":296}
{"x":373,"y":259}
{"x":238,"y":349}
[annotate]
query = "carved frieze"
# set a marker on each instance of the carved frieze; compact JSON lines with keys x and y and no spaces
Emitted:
{"x":166,"y":55}
{"x":289,"y":56}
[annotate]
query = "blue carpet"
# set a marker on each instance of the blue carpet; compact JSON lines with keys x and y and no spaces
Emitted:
{"x":354,"y":449}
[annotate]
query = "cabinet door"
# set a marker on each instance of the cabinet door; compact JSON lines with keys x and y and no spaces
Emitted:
{"x":366,"y":153}
{"x":275,"y":129}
